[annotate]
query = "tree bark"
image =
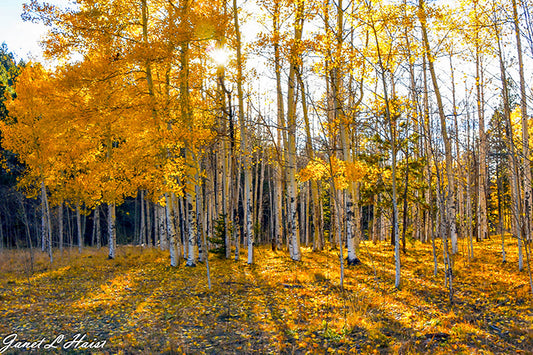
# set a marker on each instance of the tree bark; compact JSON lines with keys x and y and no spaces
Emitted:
{"x":78,"y":224}
{"x":292,"y":188}
{"x":525,"y":130}
{"x":111,"y":230}
{"x":191,"y":229}
{"x":450,"y":190}
{"x":60,"y":225}
{"x":247,"y":196}
{"x":171,"y":231}
{"x":518,"y":222}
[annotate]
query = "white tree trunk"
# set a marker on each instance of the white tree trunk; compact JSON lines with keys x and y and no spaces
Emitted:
{"x":163,"y":234}
{"x":43,"y":216}
{"x":47,"y":225}
{"x":191,"y":229}
{"x":111,"y":230}
{"x":525,"y":130}
{"x":292,"y":188}
{"x":171,"y":231}
{"x":450,"y":190}
{"x":199,"y":225}
{"x":60,"y":222}
{"x":78,"y":225}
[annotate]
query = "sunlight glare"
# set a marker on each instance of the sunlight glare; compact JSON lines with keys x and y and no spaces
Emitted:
{"x":220,"y":56}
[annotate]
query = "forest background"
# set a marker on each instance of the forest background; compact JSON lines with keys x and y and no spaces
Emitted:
{"x":221,"y":125}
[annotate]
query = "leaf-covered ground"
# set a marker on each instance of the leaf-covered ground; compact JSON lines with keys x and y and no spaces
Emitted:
{"x":139,"y":304}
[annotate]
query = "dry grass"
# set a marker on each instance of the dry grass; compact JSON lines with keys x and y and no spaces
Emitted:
{"x":137,"y":303}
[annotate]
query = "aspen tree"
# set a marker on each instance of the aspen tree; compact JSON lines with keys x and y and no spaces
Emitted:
{"x":460,"y":169}
{"x":98,"y":232}
{"x":313,"y":184}
{"x":111,"y":230}
{"x":417,"y":114}
{"x":517,"y":209}
{"x":60,"y":227}
{"x":190,"y":218}
{"x":292,"y":188}
{"x":393,"y":134}
{"x":528,"y":225}
{"x":43,"y":217}
{"x":171,"y":231}
{"x":281,"y":139}
{"x":78,"y":225}
{"x":142,"y":230}
{"x":148,"y":223}
{"x":48,"y":224}
{"x":260,"y":194}
{"x":247,"y":196}
{"x":482,"y":161}
{"x":336,"y":84}
{"x":450,"y":189}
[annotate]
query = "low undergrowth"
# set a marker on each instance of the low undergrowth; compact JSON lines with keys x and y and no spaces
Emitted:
{"x":137,"y":303}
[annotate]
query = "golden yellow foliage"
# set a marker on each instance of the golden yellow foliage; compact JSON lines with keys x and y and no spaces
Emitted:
{"x":340,"y":171}
{"x":275,"y":306}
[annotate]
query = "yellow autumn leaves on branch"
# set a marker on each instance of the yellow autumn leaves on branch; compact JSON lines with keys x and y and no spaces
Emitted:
{"x":340,"y":171}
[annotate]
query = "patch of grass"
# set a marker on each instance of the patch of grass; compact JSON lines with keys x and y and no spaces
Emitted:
{"x":139,"y":304}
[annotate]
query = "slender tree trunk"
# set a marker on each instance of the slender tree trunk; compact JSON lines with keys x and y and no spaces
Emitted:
{"x":405,"y":205}
{"x":163,"y":235}
{"x":235,"y":212}
{"x":111,"y":230}
{"x":482,"y":164}
{"x":460,"y":186}
{"x":248,"y":225}
{"x":392,"y":133}
{"x":97,"y":227}
{"x":206,"y":256}
{"x":43,"y":217}
{"x":307,"y":212}
{"x":442,"y":226}
{"x":500,"y":209}
{"x":292,"y":189}
{"x":450,"y":190}
{"x":469,"y":219}
{"x":61,"y":225}
{"x":259,"y":217}
{"x":191,"y":229}
{"x":199,"y":209}
{"x":336,"y":85}
{"x":525,"y":130}
{"x":69,"y":230}
{"x":156,"y":226}
{"x":518,"y":222}
{"x":313,"y":184}
{"x":281,"y":146}
{"x":46,"y":222}
{"x":225,"y":197}
{"x":142,"y":229}
{"x":148,"y":224}
{"x":171,"y":231}
{"x":78,"y":224}
{"x":180,"y":207}
{"x":339,"y":235}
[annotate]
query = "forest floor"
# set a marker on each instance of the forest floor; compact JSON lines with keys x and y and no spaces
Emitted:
{"x":138,"y":304}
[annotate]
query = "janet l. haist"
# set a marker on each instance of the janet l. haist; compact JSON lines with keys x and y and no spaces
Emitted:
{"x":78,"y":341}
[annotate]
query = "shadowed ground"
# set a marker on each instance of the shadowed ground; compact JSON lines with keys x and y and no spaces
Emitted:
{"x":137,"y":303}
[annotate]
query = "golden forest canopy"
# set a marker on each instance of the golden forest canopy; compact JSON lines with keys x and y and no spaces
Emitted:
{"x":112,"y":115}
{"x":139,"y":76}
{"x":408,"y":111}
